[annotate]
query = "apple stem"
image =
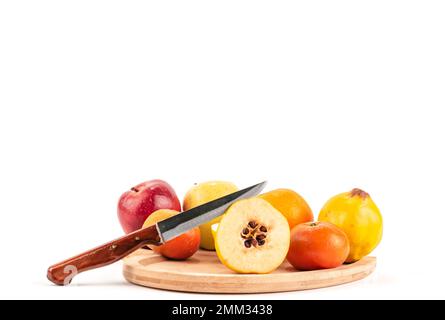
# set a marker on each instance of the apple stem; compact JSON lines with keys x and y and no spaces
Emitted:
{"x":134,"y":189}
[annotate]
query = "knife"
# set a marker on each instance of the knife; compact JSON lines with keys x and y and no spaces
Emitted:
{"x":63,"y":272}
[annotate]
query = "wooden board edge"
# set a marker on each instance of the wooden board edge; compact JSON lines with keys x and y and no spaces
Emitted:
{"x":224,"y":285}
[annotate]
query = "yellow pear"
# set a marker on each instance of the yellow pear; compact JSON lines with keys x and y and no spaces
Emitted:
{"x":202,"y":193}
{"x":359,"y":217}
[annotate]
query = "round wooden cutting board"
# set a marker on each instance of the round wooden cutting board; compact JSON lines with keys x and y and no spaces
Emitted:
{"x":205,"y":273}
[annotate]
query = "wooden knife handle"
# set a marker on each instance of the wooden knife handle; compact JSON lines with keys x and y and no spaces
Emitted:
{"x":62,"y":273}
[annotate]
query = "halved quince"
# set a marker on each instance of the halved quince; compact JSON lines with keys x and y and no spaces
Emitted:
{"x":252,"y":237}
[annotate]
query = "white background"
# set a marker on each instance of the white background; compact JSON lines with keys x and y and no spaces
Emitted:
{"x":318,"y":96}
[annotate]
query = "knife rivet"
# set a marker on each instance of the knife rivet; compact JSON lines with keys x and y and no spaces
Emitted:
{"x":137,"y":239}
{"x":113,"y":247}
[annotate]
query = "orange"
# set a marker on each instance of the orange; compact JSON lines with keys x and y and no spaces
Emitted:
{"x":290,"y":204}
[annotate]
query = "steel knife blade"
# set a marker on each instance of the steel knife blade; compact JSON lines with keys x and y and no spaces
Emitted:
{"x":187,"y":220}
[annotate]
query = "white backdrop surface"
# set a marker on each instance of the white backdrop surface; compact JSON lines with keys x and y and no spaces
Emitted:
{"x":320,"y":96}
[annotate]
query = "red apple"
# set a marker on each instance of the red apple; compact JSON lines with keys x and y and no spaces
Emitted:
{"x":142,"y":200}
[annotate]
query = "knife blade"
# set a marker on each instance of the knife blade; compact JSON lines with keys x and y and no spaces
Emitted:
{"x":63,"y":272}
{"x":176,"y":225}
